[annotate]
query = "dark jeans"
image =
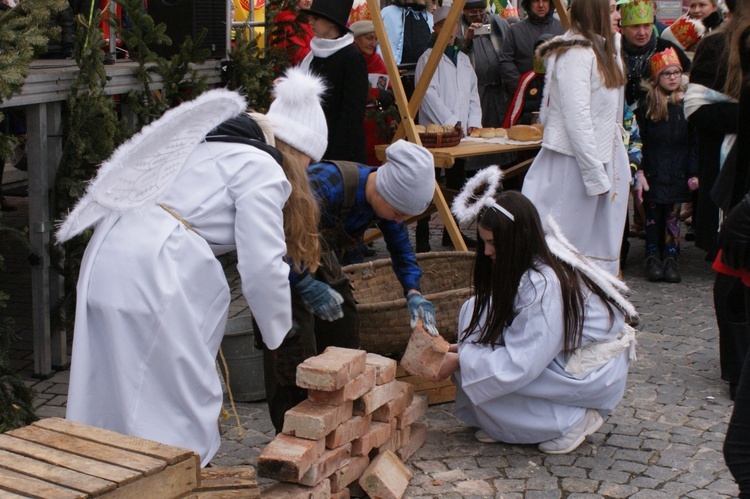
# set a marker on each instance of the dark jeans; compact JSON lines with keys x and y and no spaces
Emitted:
{"x":737,"y":441}
{"x":662,"y":229}
{"x":313,"y":337}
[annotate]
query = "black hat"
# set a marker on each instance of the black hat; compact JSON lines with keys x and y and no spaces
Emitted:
{"x":336,"y":11}
{"x":475,"y":4}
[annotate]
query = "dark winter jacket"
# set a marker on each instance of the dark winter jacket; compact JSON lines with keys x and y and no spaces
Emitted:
{"x":669,"y":155}
{"x":344,"y":103}
{"x":711,"y":122}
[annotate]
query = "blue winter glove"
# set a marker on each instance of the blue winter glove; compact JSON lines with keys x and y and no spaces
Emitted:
{"x":320,"y":298}
{"x":421,"y":308}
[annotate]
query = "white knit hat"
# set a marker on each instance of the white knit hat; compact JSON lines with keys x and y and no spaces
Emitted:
{"x":296,"y":114}
{"x":407,"y":179}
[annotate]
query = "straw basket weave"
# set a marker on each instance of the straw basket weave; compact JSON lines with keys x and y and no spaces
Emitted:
{"x":383,"y":312}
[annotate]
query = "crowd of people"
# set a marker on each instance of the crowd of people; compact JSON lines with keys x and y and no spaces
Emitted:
{"x":629,"y":106}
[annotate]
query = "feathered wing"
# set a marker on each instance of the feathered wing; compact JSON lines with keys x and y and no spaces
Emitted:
{"x":565,"y":251}
{"x":145,"y":166}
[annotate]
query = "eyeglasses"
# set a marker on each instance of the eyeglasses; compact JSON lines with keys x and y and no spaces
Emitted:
{"x":671,"y":74}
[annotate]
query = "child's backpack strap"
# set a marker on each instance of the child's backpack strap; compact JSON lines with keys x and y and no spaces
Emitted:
{"x":336,"y":238}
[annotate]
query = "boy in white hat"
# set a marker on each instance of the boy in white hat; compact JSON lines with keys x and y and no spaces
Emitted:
{"x":352,"y":198}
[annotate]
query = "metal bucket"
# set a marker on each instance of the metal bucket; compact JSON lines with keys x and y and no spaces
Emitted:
{"x":244,"y":361}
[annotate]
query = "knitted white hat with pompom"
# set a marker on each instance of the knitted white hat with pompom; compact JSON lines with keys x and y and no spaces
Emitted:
{"x":296,"y":114}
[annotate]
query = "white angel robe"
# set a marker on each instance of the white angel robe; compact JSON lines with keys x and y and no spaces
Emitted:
{"x":153,"y":299}
{"x":519,"y":392}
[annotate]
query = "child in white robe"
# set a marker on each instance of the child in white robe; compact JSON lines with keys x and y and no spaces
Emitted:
{"x":523,"y":366}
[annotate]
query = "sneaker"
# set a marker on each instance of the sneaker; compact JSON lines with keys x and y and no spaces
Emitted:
{"x":569,"y":442}
{"x":671,"y":270}
{"x":654,"y":270}
{"x":484,"y":437}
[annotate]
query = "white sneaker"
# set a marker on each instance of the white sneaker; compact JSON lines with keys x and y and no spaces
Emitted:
{"x":484,"y":437}
{"x":569,"y":442}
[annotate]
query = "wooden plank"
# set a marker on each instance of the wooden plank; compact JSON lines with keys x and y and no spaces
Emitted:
{"x":227,"y":482}
{"x":56,"y":457}
{"x":125,"y":459}
{"x":7,"y":494}
{"x":444,"y":156}
{"x":31,"y":487}
{"x":174,"y":481}
{"x":562,"y":13}
{"x":56,"y":474}
{"x":169,"y":453}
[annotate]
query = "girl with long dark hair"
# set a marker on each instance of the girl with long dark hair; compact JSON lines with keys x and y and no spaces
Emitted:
{"x":543,"y":349}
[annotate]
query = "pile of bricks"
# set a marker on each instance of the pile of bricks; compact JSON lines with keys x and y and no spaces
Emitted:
{"x":350,"y":438}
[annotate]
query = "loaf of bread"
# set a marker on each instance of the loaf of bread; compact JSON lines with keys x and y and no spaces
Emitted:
{"x":487,"y":133}
{"x":476,"y":133}
{"x":501,"y":132}
{"x":524,"y":133}
{"x":420,"y":128}
{"x":539,"y":126}
{"x":448,"y":128}
{"x":433,"y":128}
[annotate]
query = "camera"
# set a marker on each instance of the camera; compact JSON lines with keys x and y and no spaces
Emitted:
{"x":484,"y":29}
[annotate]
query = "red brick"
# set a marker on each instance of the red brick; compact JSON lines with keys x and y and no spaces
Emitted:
{"x":385,"y":368}
{"x":386,"y":477}
{"x":294,"y":491}
{"x":315,"y":421}
{"x":330,"y":461}
{"x":400,"y":438}
{"x":342,"y":494}
{"x":424,"y":353}
{"x":288,"y":458}
{"x":375,"y":398}
{"x":351,"y":471}
{"x":416,"y":410}
{"x":397,"y":405}
{"x":417,"y":437}
{"x":379,"y":434}
{"x":331,"y":370}
{"x":348,"y":431}
{"x":352,"y":390}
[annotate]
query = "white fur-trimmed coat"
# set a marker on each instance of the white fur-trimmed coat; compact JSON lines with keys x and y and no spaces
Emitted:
{"x":579,"y":114}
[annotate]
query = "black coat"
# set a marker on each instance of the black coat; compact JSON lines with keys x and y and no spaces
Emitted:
{"x":669,"y":155}
{"x":344,"y":102}
{"x":637,"y":64}
{"x":711,"y":122}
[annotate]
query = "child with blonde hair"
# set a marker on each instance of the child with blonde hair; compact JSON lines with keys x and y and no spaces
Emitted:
{"x":668,"y":170}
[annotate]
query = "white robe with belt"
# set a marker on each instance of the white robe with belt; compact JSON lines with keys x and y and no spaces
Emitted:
{"x":519,"y":392}
{"x":153,"y":298}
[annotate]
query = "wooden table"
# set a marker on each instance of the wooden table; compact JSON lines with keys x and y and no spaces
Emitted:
{"x":446,"y":156}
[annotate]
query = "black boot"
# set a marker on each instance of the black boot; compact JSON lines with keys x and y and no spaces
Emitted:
{"x":654,"y":270}
{"x":422,"y":236}
{"x":671,"y":270}
{"x":470,"y":242}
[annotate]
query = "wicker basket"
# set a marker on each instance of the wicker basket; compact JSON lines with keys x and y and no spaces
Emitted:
{"x":442,"y":139}
{"x":383,"y":312}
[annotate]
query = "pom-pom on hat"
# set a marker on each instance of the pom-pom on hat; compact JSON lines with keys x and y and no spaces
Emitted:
{"x":296,"y":114}
{"x":662,"y":60}
{"x":638,"y":12}
{"x":362,"y":28}
{"x":684,"y":32}
{"x":407,"y":178}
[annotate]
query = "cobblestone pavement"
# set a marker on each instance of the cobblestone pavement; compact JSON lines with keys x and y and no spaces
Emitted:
{"x":664,"y":440}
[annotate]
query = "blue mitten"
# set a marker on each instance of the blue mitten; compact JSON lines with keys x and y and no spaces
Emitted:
{"x":421,"y":308}
{"x":320,"y":298}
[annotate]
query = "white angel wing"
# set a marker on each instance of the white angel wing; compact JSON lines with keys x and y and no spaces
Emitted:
{"x":145,"y":166}
{"x":565,"y":251}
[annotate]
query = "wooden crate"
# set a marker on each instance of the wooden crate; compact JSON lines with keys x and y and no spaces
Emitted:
{"x":437,"y":393}
{"x":226,"y":483}
{"x":56,"y":458}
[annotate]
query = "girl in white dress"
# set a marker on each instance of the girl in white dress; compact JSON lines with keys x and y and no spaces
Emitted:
{"x":152,"y":299}
{"x":543,"y":348}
